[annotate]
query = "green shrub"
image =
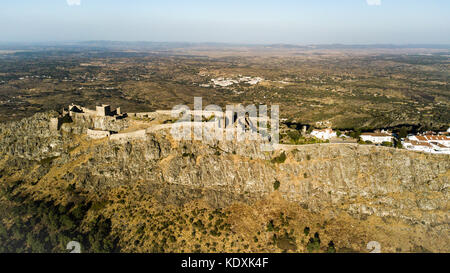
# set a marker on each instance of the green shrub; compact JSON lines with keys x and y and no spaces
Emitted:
{"x":313,"y":243}
{"x":294,"y":135}
{"x":270,"y":226}
{"x":306,"y":231}
{"x":279,"y":159}
{"x":331,"y":248}
{"x":276,"y":185}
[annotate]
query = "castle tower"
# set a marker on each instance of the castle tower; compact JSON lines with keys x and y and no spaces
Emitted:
{"x":104,"y":110}
{"x":55,"y":123}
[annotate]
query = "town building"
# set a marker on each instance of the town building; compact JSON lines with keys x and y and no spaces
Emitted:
{"x":418,"y":146}
{"x":377,"y":138}
{"x":441,"y":139}
{"x":427,"y":147}
{"x":324,"y":133}
{"x":436,"y":144}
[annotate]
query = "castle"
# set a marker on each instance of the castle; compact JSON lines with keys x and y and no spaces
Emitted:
{"x":103,"y":122}
{"x":76,"y":112}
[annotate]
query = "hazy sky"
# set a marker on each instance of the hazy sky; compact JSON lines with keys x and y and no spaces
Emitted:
{"x":243,"y":21}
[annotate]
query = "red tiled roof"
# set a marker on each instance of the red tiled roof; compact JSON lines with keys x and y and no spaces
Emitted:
{"x":430,"y":137}
{"x":418,"y":143}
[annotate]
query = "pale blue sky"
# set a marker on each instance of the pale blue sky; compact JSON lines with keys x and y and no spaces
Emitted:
{"x":251,"y":21}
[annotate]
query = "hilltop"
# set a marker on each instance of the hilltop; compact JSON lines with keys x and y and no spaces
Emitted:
{"x":156,"y":194}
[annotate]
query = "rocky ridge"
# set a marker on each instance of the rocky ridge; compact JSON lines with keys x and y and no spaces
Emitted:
{"x":328,"y":179}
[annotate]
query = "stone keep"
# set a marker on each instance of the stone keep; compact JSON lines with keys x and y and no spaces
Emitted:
{"x":104,"y":110}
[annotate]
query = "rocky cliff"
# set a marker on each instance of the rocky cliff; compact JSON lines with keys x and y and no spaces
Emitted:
{"x":394,"y":196}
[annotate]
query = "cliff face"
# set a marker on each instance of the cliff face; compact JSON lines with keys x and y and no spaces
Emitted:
{"x":327,"y":179}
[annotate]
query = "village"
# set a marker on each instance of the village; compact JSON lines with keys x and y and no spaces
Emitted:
{"x":428,"y":142}
{"x":225,"y":82}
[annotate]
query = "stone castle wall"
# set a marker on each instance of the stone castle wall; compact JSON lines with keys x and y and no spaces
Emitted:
{"x":97,"y":134}
{"x":141,"y":134}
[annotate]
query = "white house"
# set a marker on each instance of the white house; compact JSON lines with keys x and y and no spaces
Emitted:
{"x":418,"y":146}
{"x":377,"y":137}
{"x":324,"y":133}
{"x":440,"y":149}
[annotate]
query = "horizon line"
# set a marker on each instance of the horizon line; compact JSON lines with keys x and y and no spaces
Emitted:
{"x":50,"y":42}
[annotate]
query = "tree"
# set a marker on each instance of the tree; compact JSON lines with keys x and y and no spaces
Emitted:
{"x":356,"y":134}
{"x":294,"y":135}
{"x":403,"y":132}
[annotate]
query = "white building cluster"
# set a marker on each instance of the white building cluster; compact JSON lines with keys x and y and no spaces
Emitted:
{"x":436,"y":144}
{"x":429,"y":142}
{"x":224,"y":82}
{"x":250,"y":80}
